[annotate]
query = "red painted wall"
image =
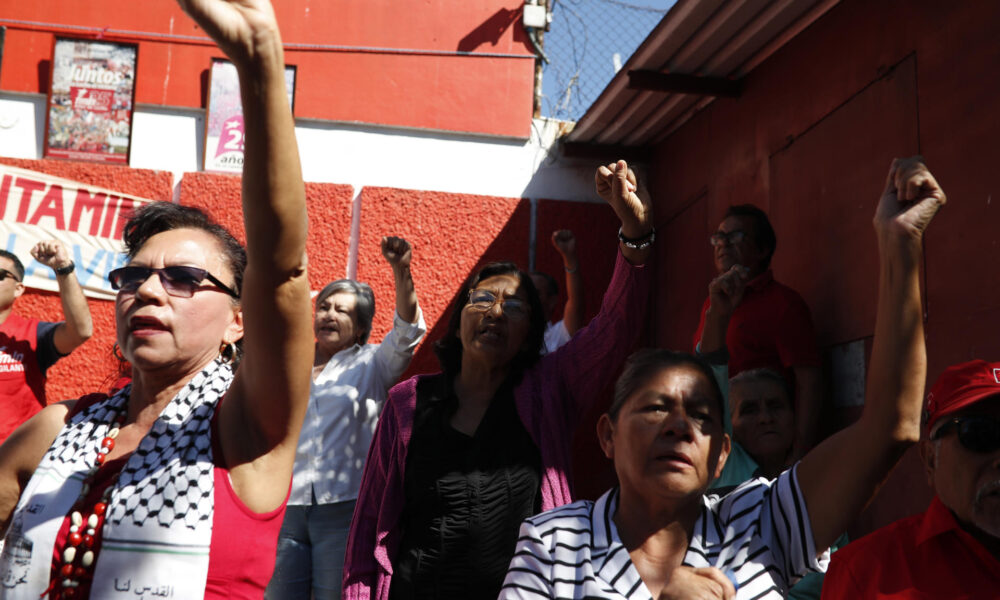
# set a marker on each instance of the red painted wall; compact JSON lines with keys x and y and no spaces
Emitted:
{"x":810,"y":140}
{"x":329,"y":207}
{"x":457,"y":93}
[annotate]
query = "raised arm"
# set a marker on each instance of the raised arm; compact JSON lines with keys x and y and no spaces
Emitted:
{"x":840,"y":476}
{"x":78,"y":326}
{"x":398,"y":252}
{"x":260,"y":419}
{"x":593,"y":357}
{"x":565,"y":244}
{"x":617,"y":185}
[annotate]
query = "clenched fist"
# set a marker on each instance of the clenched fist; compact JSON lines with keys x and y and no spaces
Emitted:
{"x":52,"y":254}
{"x":617,"y":185}
{"x":910,"y":200}
{"x":397,"y":251}
{"x":564,"y":242}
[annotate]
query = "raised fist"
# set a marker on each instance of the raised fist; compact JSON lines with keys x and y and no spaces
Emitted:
{"x":909,"y":201}
{"x":52,"y":254}
{"x":565,"y":243}
{"x":397,"y":251}
{"x":616,"y":184}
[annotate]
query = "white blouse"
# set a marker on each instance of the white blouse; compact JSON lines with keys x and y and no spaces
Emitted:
{"x":344,"y":405}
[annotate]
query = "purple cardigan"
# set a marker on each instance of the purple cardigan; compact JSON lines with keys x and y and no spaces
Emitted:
{"x":550,"y":398}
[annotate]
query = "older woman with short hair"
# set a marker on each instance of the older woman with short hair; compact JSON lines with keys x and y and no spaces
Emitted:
{"x":658,"y":535}
{"x":351,"y":379}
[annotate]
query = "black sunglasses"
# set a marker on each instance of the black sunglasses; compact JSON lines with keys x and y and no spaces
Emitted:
{"x":179,"y":281}
{"x":976,"y":433}
{"x":4,"y":274}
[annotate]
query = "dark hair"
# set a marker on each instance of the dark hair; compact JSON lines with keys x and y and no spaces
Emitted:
{"x":643,"y":364}
{"x":763,"y":233}
{"x":18,"y":265}
{"x":365,"y":307}
{"x":449,"y":348}
{"x":158,"y":217}
{"x":550,"y":282}
{"x":765,"y":375}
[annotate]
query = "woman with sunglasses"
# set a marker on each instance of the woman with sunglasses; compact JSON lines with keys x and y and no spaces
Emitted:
{"x":176,"y":485}
{"x":658,"y":535}
{"x":461,"y":457}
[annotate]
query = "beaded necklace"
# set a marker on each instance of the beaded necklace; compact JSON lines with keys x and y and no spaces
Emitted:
{"x":80,"y":553}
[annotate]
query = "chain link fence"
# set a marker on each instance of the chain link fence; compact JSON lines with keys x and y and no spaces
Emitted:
{"x":587,"y":42}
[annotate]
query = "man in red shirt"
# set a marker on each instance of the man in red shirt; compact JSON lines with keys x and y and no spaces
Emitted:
{"x":952,"y":549}
{"x":771,"y":326}
{"x":28,"y":347}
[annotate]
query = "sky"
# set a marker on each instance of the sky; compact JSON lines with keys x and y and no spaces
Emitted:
{"x":582,"y":43}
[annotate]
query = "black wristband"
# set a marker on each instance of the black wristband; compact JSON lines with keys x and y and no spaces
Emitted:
{"x":638,"y":243}
{"x":67,"y":269}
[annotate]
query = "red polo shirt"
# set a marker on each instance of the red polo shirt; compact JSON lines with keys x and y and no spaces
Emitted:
{"x":924,"y":556}
{"x":771,"y":327}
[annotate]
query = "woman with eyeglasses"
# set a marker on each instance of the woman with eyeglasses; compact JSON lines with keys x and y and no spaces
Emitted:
{"x":461,"y":457}
{"x":175,"y":486}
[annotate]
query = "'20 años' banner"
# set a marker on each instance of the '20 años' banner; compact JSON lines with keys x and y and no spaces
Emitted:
{"x":87,"y":219}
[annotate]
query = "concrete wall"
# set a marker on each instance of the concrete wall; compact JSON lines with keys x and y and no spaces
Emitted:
{"x":810,"y":140}
{"x":363,"y":65}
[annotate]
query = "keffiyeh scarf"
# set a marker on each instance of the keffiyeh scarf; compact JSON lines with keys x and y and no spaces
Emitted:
{"x":158,"y":528}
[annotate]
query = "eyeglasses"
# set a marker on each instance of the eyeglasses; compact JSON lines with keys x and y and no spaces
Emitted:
{"x":4,"y":274}
{"x":178,"y":281}
{"x":483,"y":300}
{"x":723,"y":237}
{"x":976,"y":433}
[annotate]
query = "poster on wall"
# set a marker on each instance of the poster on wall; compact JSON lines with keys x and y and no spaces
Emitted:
{"x":90,"y":100}
{"x":88,"y":219}
{"x":224,"y":130}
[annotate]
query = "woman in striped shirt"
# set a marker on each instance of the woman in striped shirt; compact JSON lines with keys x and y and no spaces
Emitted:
{"x":658,"y":535}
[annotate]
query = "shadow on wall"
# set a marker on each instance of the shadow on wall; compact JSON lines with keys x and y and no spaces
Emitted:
{"x":491,"y":30}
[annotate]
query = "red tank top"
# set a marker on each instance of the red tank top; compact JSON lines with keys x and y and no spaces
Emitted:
{"x":22,"y":385}
{"x":244,"y":543}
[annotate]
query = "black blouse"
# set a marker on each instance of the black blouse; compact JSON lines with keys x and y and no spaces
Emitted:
{"x":465,"y":497}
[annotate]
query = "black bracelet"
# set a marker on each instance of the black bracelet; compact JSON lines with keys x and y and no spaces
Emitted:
{"x":66,"y":270}
{"x":638,"y":243}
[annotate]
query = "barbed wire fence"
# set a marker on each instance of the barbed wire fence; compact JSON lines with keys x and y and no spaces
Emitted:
{"x":587,"y":42}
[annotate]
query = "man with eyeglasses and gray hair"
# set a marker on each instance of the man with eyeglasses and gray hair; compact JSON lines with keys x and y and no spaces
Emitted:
{"x":770,"y":325}
{"x":951,"y":550}
{"x":28,"y":347}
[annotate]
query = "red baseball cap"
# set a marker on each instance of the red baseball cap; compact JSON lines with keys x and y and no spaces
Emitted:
{"x":961,"y":386}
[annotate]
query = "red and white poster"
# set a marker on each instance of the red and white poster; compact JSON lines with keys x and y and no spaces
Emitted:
{"x":86,"y":218}
{"x":224,"y":132}
{"x":90,"y":100}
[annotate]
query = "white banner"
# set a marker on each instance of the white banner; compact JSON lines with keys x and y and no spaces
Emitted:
{"x":87,"y":219}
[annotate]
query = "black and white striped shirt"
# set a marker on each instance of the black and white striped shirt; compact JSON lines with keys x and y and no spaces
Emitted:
{"x":760,"y":532}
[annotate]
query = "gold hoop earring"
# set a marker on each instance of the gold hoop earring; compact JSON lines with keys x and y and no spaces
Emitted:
{"x":227,"y":352}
